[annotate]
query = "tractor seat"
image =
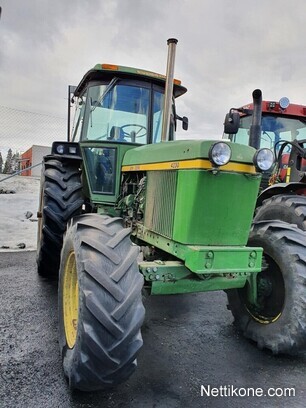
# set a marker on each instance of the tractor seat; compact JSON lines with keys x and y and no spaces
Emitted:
{"x":116,"y":134}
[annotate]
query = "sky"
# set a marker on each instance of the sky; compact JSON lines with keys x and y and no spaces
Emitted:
{"x":225,"y":50}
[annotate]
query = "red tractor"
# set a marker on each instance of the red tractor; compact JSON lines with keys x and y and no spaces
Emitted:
{"x":282,"y":127}
{"x":281,"y":202}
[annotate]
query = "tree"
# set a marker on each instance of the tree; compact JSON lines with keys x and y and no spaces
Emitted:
{"x":1,"y":162}
{"x":16,"y":162}
{"x":8,"y":162}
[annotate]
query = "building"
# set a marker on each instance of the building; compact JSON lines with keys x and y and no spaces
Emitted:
{"x":32,"y":157}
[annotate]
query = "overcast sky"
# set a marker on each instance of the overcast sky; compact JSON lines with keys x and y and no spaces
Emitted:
{"x":226,"y":49}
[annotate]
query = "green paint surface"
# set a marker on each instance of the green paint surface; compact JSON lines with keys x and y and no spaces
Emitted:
{"x":184,"y":150}
{"x":193,"y":285}
{"x":214,"y":209}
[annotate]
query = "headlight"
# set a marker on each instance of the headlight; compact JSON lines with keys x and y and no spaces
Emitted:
{"x":284,"y":102}
{"x":60,"y":149}
{"x":72,"y":150}
{"x":220,"y":153}
{"x":263,"y":159}
{"x":66,"y":148}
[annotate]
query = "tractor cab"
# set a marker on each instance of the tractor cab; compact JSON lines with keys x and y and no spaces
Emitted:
{"x":282,"y":128}
{"x":117,"y":108}
{"x":280,"y":122}
{"x":122,"y":104}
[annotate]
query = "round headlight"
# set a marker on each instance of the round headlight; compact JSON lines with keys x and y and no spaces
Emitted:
{"x":264,"y":159}
{"x":284,"y":102}
{"x":60,"y":149}
{"x":220,"y":153}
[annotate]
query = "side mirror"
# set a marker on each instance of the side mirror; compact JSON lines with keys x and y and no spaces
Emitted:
{"x":231,"y":123}
{"x":184,"y":120}
{"x":185,"y":123}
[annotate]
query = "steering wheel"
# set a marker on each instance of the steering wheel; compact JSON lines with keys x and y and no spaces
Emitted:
{"x":138,"y":133}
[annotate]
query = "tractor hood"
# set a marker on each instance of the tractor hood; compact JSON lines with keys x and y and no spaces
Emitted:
{"x":186,"y":154}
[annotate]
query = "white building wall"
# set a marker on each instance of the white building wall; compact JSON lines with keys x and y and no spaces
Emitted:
{"x":38,"y":152}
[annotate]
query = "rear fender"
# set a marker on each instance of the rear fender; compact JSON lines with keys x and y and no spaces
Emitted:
{"x":281,"y":188}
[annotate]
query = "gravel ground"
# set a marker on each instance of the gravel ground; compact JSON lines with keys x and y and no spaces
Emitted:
{"x":189,"y":341}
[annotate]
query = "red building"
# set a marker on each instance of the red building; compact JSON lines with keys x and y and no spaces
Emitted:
{"x":31,"y":157}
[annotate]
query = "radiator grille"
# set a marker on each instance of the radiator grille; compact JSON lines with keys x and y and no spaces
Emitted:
{"x":160,"y":201}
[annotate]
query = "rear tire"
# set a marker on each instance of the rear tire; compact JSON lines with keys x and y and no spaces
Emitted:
{"x":287,"y":208}
{"x":60,"y":200}
{"x":100,"y":332}
{"x":279,"y":323}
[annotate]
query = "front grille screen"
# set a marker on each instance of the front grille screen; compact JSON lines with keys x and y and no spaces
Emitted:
{"x":160,"y":201}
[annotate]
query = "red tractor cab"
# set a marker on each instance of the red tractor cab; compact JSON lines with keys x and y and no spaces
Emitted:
{"x":282,"y":128}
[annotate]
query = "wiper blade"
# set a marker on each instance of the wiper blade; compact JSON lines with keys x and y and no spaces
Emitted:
{"x":109,"y":87}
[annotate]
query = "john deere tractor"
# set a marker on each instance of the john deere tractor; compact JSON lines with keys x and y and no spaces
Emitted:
{"x":127,"y":210}
{"x":280,"y":214}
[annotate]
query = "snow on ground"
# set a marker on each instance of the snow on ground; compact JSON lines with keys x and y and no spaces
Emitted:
{"x":15,"y":227}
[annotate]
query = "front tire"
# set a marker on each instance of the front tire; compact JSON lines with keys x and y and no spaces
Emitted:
{"x":278,"y":323}
{"x":100,"y":303}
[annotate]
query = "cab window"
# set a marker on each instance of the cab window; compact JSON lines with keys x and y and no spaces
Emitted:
{"x":118,"y":113}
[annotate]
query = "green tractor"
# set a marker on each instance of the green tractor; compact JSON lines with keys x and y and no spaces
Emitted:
{"x":125,"y":210}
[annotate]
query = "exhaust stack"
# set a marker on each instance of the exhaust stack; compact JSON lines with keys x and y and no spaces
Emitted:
{"x":255,"y":129}
{"x":169,"y":89}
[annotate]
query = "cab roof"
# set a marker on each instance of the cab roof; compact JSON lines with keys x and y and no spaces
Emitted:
{"x":108,"y":71}
{"x":276,"y":109}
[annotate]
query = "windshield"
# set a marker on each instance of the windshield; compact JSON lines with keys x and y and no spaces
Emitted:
{"x":275,"y":129}
{"x":118,"y":113}
{"x":121,"y":112}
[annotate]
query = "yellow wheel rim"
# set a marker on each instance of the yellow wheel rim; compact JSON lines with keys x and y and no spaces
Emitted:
{"x":264,"y":320}
{"x":70,"y":300}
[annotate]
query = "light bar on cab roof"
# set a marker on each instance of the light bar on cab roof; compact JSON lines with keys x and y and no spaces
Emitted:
{"x":113,"y":67}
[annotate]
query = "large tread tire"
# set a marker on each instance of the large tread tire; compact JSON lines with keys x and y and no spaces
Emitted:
{"x":284,"y":245}
{"x":110,"y":308}
{"x":60,"y":199}
{"x":288,"y":208}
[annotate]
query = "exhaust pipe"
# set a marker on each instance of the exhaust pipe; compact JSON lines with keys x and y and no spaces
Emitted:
{"x":169,"y":89}
{"x":255,"y":129}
